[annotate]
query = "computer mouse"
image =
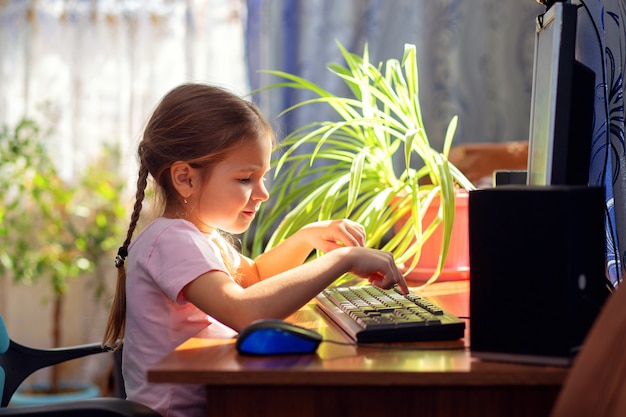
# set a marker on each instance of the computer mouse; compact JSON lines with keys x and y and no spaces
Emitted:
{"x":276,"y":337}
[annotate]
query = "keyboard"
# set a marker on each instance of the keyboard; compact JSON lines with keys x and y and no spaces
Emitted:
{"x":369,"y":314}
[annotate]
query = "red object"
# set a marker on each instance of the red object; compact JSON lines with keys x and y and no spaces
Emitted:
{"x":456,"y":266}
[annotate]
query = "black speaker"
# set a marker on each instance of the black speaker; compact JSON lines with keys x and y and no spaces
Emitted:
{"x":537,"y":271}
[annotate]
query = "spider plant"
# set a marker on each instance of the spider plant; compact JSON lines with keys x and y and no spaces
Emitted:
{"x":347,"y":168}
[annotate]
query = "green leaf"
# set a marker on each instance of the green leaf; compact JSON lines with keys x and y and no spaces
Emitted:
{"x":356,"y":174}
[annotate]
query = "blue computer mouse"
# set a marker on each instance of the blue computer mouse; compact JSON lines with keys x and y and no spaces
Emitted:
{"x":276,"y":337}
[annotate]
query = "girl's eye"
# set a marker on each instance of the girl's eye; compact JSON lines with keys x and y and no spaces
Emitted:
{"x":244,"y":180}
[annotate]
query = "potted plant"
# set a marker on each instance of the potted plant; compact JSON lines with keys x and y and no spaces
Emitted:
{"x":374,"y":165}
{"x":50,"y":228}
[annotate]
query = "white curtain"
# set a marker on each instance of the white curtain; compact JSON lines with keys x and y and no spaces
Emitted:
{"x":100,"y":66}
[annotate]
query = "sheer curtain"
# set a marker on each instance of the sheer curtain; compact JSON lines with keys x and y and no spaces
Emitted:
{"x":99,"y":66}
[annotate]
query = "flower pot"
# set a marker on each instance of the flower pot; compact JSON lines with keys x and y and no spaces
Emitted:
{"x":39,"y":393}
{"x":456,"y":266}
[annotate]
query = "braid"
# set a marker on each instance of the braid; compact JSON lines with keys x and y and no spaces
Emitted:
{"x":142,"y":183}
{"x":116,"y":324}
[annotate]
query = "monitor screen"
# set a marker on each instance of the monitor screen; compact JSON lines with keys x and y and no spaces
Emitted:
{"x":561,"y":114}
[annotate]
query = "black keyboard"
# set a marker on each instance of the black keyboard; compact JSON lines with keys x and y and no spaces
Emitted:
{"x":369,"y":314}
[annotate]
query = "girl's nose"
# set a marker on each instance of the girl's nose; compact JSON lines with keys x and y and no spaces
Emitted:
{"x":260,"y":192}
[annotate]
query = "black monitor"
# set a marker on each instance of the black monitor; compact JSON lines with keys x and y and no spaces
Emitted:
{"x":561,"y":115}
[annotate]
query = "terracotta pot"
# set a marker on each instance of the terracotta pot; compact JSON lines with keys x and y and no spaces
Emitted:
{"x":456,"y":266}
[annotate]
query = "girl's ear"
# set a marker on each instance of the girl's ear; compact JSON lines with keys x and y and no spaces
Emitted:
{"x":183,"y":178}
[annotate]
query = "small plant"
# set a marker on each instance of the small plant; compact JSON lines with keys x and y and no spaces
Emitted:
{"x":346,"y":169}
{"x":50,"y":228}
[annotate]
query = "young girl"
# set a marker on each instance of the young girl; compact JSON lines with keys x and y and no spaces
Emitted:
{"x":208,"y":152}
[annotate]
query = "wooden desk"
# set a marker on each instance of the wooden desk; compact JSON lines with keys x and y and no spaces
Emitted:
{"x":413,"y":379}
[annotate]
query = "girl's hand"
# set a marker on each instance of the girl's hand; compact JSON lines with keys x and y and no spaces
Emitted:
{"x":329,"y":235}
{"x":377,"y":266}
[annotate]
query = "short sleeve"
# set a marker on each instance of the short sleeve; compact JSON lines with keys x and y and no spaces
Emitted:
{"x":182,"y":253}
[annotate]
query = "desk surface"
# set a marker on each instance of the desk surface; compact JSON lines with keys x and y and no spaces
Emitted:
{"x":213,"y":361}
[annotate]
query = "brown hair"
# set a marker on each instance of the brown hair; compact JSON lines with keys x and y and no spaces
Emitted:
{"x":194,"y":123}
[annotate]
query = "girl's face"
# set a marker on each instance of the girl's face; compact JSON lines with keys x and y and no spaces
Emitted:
{"x":235,"y":188}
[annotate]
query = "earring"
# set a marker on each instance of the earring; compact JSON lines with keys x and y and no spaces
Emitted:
{"x":185,"y":200}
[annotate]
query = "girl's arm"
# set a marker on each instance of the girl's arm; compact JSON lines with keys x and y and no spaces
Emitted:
{"x":324,"y":236}
{"x":283,"y":294}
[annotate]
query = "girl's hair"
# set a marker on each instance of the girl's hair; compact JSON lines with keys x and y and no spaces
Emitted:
{"x":194,"y":123}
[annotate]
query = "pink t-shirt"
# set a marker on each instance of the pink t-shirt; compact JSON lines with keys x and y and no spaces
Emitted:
{"x":166,"y":256}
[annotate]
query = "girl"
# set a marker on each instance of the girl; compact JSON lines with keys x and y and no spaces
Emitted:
{"x":208,"y":152}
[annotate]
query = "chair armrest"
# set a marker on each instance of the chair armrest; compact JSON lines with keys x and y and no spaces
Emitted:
{"x":21,"y":361}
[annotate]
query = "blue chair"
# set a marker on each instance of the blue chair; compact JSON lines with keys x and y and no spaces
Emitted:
{"x":17,"y":362}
